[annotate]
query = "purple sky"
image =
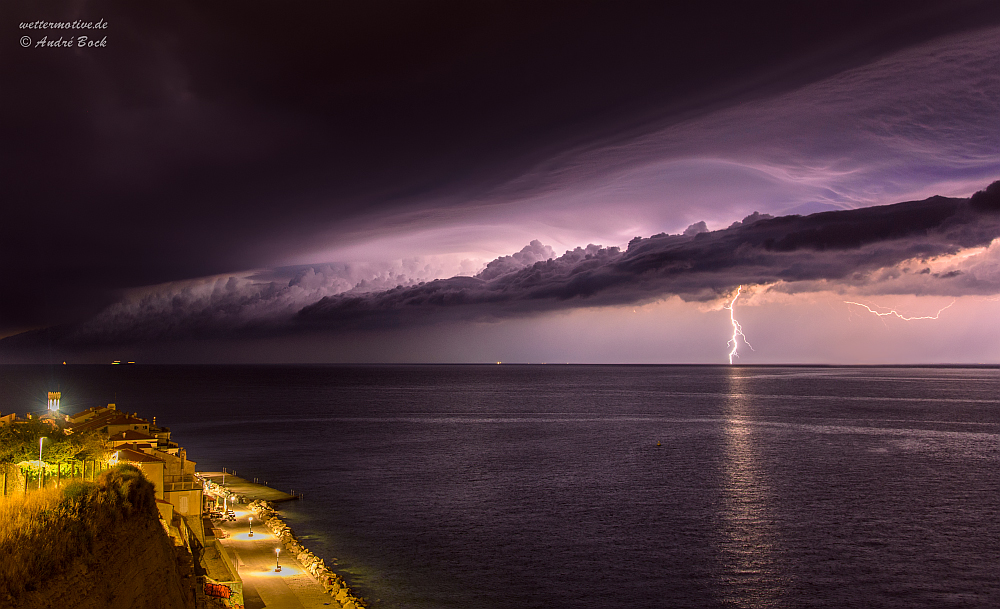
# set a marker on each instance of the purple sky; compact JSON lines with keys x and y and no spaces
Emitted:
{"x":273,"y":184}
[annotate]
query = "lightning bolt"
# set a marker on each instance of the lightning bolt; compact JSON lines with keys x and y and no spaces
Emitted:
{"x":895,"y":313}
{"x":737,"y":330}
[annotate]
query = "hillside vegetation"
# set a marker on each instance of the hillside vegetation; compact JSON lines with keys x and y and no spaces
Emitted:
{"x":61,"y":452}
{"x":79,"y":528}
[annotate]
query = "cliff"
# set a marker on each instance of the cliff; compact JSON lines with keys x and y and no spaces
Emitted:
{"x":96,"y":546}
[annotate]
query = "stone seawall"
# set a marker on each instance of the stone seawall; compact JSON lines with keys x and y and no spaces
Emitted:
{"x":331,"y":582}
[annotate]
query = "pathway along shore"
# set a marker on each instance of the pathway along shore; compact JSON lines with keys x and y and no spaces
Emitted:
{"x":245,"y":488}
{"x":303,"y":581}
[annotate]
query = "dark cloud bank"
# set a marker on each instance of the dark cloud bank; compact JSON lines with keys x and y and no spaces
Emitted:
{"x":697,"y":265}
{"x":843,"y":247}
{"x":209,"y":138}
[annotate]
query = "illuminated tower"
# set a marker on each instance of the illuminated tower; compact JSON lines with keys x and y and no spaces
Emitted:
{"x":54,"y":400}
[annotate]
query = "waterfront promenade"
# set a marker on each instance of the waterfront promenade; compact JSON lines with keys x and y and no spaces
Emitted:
{"x":247,"y":489}
{"x":291,"y":588}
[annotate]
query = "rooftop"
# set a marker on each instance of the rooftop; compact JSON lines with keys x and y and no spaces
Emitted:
{"x":112,"y":417}
{"x":89,"y":411}
{"x":130,"y":435}
{"x":134,"y":456}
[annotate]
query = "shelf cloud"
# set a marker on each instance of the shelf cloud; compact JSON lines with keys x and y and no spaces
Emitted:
{"x":396,"y":167}
{"x":846,"y":247}
{"x":917,"y":247}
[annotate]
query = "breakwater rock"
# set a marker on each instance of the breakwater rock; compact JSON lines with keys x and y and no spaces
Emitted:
{"x":314,"y":565}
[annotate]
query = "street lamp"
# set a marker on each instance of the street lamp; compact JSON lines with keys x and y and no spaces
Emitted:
{"x":277,"y":567}
{"x":251,"y":527}
{"x":40,"y":464}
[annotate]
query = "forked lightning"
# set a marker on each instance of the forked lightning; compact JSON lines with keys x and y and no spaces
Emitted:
{"x":737,"y":329}
{"x":895,"y":313}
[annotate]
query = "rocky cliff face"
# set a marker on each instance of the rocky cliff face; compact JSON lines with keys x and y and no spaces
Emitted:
{"x":120,"y":558}
{"x":135,"y":569}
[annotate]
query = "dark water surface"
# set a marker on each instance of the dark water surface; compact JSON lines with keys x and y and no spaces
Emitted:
{"x":543,"y":486}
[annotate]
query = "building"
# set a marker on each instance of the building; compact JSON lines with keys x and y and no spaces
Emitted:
{"x":50,"y":419}
{"x":173,"y":480}
{"x":150,"y":466}
{"x":131,"y":436}
{"x":149,"y":448}
{"x":111,"y":422}
{"x":90,"y":413}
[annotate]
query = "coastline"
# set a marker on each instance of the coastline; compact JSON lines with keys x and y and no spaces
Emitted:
{"x":259,"y":500}
{"x":244,"y":488}
{"x":213,"y":557}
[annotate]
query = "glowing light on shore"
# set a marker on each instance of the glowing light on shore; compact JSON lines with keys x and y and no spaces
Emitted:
{"x":257,"y":536}
{"x":286,"y":572}
{"x":737,"y":329}
{"x":895,"y":313}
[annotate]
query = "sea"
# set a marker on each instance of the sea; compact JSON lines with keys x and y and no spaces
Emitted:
{"x":574,"y":486}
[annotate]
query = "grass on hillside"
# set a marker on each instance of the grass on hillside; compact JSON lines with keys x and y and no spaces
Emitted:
{"x":23,"y":514}
{"x":42,"y":532}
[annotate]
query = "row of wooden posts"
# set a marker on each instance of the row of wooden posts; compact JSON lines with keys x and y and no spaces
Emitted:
{"x":87,"y":469}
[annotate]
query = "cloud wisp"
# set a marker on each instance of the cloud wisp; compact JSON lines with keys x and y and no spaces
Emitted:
{"x":918,"y":122}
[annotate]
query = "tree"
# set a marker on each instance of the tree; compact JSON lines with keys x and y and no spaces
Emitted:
{"x":19,"y":444}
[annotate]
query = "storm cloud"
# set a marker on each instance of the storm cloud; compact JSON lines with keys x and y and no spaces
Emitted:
{"x":319,"y":169}
{"x":840,"y":246}
{"x":883,"y":249}
{"x":206,"y":141}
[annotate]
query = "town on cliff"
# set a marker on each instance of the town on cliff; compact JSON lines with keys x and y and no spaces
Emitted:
{"x":209,"y":520}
